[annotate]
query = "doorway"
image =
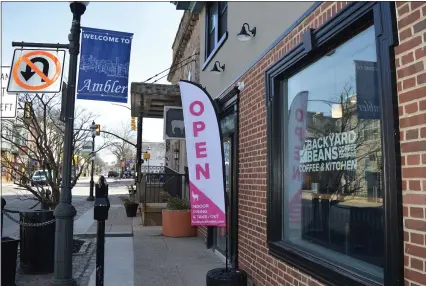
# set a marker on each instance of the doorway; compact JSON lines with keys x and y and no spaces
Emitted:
{"x":230,"y":158}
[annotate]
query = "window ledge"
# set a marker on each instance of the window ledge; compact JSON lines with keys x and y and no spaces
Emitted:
{"x":215,"y":50}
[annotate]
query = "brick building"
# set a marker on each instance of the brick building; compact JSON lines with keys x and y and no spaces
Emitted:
{"x":326,"y":127}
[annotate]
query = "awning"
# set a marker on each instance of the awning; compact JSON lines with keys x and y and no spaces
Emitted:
{"x":149,"y":99}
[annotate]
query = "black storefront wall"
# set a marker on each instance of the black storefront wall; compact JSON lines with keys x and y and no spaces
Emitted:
{"x":315,"y":44}
{"x":228,"y":118}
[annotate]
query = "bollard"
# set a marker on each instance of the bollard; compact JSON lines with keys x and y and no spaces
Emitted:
{"x":101,"y":209}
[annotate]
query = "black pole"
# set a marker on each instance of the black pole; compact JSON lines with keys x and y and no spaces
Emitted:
{"x":92,"y":183}
{"x":65,"y":211}
{"x":139,"y":148}
{"x":100,"y":252}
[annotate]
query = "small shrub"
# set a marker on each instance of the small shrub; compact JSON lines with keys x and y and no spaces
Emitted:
{"x":175,"y":203}
{"x":128,"y":200}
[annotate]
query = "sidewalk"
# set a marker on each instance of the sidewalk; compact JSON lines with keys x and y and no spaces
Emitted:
{"x":164,"y":261}
{"x":139,"y":256}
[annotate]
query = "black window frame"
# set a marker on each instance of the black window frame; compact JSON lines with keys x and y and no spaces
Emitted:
{"x":351,"y":20}
{"x":221,"y":18}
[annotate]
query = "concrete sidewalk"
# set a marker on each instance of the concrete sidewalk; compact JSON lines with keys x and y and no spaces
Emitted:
{"x":140,"y":256}
{"x":164,"y":261}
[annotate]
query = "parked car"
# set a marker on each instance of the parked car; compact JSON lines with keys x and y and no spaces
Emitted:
{"x":39,"y":178}
{"x":112,"y":174}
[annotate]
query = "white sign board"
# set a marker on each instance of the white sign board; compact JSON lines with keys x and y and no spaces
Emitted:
{"x":36,"y":71}
{"x":8,"y":101}
{"x":87,"y":147}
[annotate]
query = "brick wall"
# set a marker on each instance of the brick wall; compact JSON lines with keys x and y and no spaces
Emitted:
{"x":410,"y":61}
{"x":262,"y":268}
{"x":187,"y":43}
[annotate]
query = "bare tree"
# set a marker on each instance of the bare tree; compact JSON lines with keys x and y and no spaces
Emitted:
{"x":38,"y":134}
{"x":121,"y":149}
{"x":344,"y":181}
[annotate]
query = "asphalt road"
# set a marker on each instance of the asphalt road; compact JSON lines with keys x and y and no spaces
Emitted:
{"x":19,"y":199}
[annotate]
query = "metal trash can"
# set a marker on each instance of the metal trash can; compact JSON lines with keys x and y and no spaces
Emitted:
{"x":37,"y":242}
{"x":9,"y":253}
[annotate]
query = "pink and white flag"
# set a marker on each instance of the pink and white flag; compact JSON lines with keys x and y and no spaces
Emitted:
{"x":204,"y":155}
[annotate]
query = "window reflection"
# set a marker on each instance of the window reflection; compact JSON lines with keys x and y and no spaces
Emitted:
{"x":333,"y":158}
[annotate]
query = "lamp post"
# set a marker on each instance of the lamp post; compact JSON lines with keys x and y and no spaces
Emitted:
{"x":65,"y":211}
{"x":92,"y":183}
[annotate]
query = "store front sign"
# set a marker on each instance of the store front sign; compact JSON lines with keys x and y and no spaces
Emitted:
{"x":368,"y":105}
{"x":205,"y":157}
{"x":334,"y":152}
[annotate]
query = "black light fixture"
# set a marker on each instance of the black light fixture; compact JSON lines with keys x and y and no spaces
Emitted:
{"x":243,"y":35}
{"x":217,"y":68}
{"x":176,"y":154}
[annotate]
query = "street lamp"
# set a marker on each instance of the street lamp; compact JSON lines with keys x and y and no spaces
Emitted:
{"x":65,"y":211}
{"x":92,"y":183}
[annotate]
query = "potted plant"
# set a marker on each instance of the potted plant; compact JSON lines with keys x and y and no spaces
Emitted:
{"x":130,"y":204}
{"x":176,"y":218}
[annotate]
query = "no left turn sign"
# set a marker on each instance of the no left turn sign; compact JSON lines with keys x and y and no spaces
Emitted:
{"x":36,"y":71}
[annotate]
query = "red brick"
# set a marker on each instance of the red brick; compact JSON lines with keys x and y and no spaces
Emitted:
{"x":411,"y":69}
{"x":422,"y":105}
{"x":416,"y":146}
{"x":415,"y":199}
{"x":408,"y":58}
{"x":416,"y":224}
{"x":411,"y":108}
{"x":416,"y":212}
{"x":416,"y":263}
{"x":420,"y":53}
{"x":411,"y":134}
{"x":415,"y":276}
{"x":416,"y":4}
{"x":415,"y":186}
{"x":403,"y":9}
{"x":413,"y":95}
{"x":408,"y":45}
{"x":412,"y":121}
{"x":400,"y":3}
{"x":424,"y":159}
{"x":416,"y":172}
{"x":405,"y":34}
{"x":417,"y":238}
{"x":413,"y":160}
{"x":423,"y":132}
{"x":409,"y":19}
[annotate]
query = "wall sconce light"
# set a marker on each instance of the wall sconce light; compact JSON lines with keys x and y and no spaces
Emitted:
{"x":176,"y":154}
{"x":243,"y":36}
{"x":217,"y":68}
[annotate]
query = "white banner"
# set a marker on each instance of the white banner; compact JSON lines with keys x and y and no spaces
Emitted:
{"x":9,"y":101}
{"x":297,"y":117}
{"x":205,"y":156}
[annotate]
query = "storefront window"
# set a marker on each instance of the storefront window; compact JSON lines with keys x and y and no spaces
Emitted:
{"x":333,"y":203}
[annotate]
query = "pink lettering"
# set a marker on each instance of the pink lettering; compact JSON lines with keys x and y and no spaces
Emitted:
{"x":200,"y":171}
{"x":299,"y":115}
{"x":192,"y":108}
{"x":299,"y":132}
{"x":297,"y":152}
{"x":296,"y":174}
{"x":200,"y":150}
{"x":198,"y":126}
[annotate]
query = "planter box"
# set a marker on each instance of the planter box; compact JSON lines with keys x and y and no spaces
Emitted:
{"x":151,"y":215}
{"x":177,"y":223}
